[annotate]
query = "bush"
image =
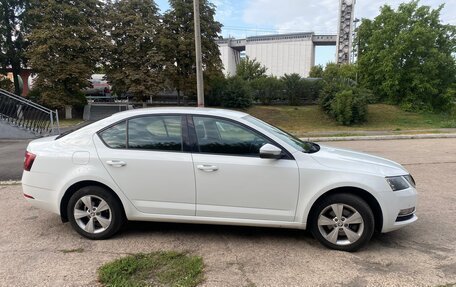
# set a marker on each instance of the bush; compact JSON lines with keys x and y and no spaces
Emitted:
{"x":292,"y":84}
{"x":214,"y":91}
{"x":237,"y":94}
{"x":311,"y":89}
{"x":349,"y":107}
{"x":328,"y":93}
{"x":266,"y":89}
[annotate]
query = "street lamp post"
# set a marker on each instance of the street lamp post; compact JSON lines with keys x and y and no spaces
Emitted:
{"x":199,"y":65}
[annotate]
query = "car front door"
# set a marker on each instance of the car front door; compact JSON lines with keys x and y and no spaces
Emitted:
{"x":232,"y":181}
{"x":145,"y":156}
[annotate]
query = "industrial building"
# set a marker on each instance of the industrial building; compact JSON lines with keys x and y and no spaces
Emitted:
{"x":281,"y":54}
{"x":290,"y":53}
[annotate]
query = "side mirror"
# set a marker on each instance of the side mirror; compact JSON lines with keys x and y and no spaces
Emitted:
{"x":270,"y":151}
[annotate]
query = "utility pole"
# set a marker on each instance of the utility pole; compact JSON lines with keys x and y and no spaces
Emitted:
{"x":199,"y":65}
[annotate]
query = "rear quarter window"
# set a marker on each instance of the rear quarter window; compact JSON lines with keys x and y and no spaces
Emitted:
{"x":115,"y":136}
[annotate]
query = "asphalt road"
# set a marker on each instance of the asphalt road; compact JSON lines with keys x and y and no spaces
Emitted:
{"x":12,"y":159}
{"x":35,"y":245}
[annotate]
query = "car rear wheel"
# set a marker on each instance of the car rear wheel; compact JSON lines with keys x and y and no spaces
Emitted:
{"x":95,"y":213}
{"x":342,"y":222}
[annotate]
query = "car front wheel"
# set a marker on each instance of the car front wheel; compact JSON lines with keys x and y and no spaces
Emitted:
{"x":95,"y":213}
{"x":342,"y":222}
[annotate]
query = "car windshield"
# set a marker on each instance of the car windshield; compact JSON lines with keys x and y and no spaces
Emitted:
{"x":304,"y":146}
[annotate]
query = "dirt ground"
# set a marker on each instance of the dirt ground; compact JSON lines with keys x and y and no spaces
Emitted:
{"x":36,"y":249}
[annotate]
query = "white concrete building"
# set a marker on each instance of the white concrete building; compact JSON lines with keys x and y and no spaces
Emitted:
{"x":281,"y":54}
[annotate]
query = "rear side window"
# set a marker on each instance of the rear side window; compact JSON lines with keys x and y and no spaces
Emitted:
{"x":115,"y":136}
{"x":155,"y":133}
{"x":160,"y":133}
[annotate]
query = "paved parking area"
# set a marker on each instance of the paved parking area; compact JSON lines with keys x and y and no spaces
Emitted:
{"x":35,"y":245}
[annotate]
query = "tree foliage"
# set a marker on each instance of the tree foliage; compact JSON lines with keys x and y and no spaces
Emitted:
{"x":134,"y":60}
{"x":349,"y":107}
{"x":65,"y":47}
{"x":249,"y":69}
{"x":267,"y":89}
{"x":236,"y":94}
{"x":178,"y":43}
{"x":336,"y":78}
{"x":292,"y":85}
{"x":406,"y":56}
{"x":316,"y":71}
{"x":6,"y":84}
{"x":13,"y":37}
{"x":341,"y":97}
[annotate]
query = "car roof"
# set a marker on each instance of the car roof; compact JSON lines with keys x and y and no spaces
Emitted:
{"x":150,"y":111}
{"x":182,"y":110}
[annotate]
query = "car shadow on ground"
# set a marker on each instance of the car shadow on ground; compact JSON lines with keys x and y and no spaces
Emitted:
{"x":133,"y":227}
{"x":247,"y":233}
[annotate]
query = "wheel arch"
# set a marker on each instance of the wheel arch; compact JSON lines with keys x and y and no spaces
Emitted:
{"x":78,"y":185}
{"x":363,"y":194}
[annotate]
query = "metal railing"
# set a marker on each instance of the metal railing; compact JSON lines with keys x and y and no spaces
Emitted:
{"x":23,"y":113}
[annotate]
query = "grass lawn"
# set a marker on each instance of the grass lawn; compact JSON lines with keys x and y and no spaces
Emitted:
{"x":310,"y":119}
{"x":69,"y":123}
{"x":153,"y":269}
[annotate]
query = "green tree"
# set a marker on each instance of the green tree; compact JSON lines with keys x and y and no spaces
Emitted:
{"x":65,"y":47}
{"x":336,"y":78}
{"x":249,"y":70}
{"x":292,"y":84}
{"x":13,"y":30}
{"x":267,"y":89}
{"x":6,"y":84}
{"x":311,"y":88}
{"x":178,"y":44}
{"x":349,"y":107}
{"x":406,"y":56}
{"x":316,"y":71}
{"x":215,"y":86}
{"x":236,"y":94}
{"x":134,"y":60}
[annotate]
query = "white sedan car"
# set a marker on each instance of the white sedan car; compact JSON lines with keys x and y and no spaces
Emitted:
{"x":199,"y":165}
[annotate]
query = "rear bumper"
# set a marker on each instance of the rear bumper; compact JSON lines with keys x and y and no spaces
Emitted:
{"x":42,"y":198}
{"x":395,"y":202}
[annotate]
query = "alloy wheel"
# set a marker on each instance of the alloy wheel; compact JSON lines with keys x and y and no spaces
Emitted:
{"x":92,"y":214}
{"x":340,"y":224}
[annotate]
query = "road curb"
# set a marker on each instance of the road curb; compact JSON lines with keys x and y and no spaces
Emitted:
{"x":10,"y":182}
{"x":381,"y":137}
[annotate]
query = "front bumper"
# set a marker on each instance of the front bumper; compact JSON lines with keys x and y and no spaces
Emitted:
{"x":392,"y":204}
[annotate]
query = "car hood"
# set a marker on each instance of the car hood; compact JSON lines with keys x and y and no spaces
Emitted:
{"x":357,"y":161}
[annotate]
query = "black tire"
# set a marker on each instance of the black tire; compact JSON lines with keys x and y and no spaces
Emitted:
{"x":350,"y":202}
{"x":115,"y":213}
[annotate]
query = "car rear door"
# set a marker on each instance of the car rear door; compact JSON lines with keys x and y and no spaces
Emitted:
{"x":146,"y":158}
{"x":232,"y":181}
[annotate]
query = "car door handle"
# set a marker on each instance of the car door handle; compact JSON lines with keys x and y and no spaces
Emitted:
{"x":207,"y":167}
{"x":116,"y":163}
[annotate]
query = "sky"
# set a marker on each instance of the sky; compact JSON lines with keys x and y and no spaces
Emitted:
{"x":243,"y":18}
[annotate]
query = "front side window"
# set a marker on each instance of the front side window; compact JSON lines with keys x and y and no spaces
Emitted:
{"x":304,"y":146}
{"x":225,"y":137}
{"x":162,"y":133}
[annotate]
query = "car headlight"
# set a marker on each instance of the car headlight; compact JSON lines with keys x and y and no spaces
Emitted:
{"x":397,"y":183}
{"x":410,"y":179}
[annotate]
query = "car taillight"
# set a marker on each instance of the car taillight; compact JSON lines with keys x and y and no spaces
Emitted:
{"x":28,"y":160}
